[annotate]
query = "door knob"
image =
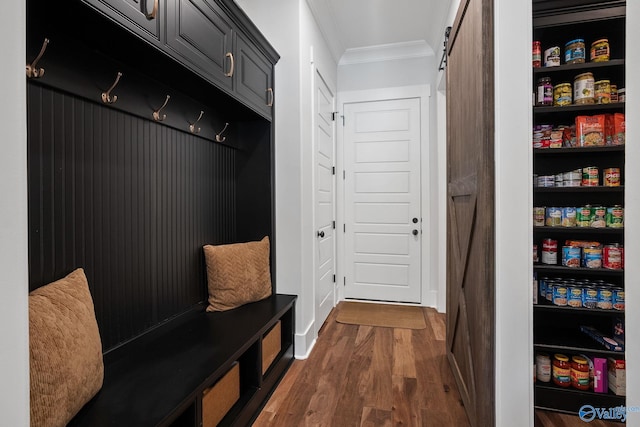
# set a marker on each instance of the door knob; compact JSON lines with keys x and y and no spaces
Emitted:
{"x":415,"y":220}
{"x":415,"y":232}
{"x":320,"y":234}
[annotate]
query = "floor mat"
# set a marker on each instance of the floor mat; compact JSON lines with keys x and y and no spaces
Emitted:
{"x":385,"y":315}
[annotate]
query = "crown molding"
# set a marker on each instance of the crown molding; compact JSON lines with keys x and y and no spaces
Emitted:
{"x":387,"y":52}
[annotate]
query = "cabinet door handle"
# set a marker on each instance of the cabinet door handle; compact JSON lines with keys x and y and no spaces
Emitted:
{"x":154,"y":12}
{"x":232,"y":66}
{"x":270,"y":102}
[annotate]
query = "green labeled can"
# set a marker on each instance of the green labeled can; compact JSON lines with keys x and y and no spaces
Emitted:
{"x":615,"y":217}
{"x":583,"y":216}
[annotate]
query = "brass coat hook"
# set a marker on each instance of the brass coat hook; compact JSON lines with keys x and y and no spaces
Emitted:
{"x":33,"y":72}
{"x":192,"y":126}
{"x":219,"y":137}
{"x":156,"y":114}
{"x":106,"y":96}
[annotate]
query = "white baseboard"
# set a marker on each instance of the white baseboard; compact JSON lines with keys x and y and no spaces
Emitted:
{"x":304,"y":342}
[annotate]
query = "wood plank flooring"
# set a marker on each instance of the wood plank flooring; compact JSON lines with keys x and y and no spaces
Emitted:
{"x":378,"y":377}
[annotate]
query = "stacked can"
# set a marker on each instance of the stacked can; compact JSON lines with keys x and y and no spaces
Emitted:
{"x":583,"y":293}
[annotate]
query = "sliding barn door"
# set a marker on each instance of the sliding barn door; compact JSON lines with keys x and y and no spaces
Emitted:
{"x":470,"y":209}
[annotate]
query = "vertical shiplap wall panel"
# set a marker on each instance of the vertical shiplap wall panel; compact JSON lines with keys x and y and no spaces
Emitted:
{"x":130,"y":201}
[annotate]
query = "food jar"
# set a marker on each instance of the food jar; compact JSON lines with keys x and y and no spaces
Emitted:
{"x":574,"y":52}
{"x":562,"y":94}
{"x":600,"y":50}
{"x":552,"y":57}
{"x":543,"y":367}
{"x":580,"y":373}
{"x":536,"y":55}
{"x":614,"y":93}
{"x":583,"y":89}
{"x":603,"y":91}
{"x":561,"y":371}
{"x":545,"y":91}
{"x":622,"y":95}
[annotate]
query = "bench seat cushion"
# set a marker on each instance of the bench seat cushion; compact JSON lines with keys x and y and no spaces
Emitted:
{"x":237,"y":274}
{"x":66,"y":365}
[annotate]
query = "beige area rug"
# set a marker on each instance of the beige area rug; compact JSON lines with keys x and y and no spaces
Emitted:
{"x":385,"y":315}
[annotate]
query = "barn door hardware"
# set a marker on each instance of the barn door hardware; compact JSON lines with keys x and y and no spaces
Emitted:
{"x":443,"y":60}
{"x":106,"y":96}
{"x":33,"y":72}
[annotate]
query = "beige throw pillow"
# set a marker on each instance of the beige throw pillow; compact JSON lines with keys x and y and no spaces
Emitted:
{"x":237,"y":274}
{"x":65,"y":350}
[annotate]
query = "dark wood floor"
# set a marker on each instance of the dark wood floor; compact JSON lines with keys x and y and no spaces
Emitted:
{"x":371,"y":376}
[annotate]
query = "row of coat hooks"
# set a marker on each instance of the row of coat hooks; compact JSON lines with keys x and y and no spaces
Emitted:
{"x":33,"y":72}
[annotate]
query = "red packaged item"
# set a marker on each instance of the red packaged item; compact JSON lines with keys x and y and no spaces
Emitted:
{"x":619,"y":129}
{"x":590,"y":130}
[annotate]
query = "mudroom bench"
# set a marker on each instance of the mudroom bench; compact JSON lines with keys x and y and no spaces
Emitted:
{"x":197,"y":369}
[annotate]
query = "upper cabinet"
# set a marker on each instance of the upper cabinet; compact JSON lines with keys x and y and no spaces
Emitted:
{"x":212,"y":38}
{"x":253,"y":76}
{"x":143,"y":17}
{"x":199,"y":33}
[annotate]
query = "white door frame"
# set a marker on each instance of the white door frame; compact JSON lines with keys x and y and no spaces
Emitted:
{"x":429,"y":295}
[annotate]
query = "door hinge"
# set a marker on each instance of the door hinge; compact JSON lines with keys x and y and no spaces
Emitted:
{"x":334,"y":278}
{"x":344,"y":281}
{"x":333,"y":223}
{"x":333,"y":170}
{"x":344,"y":174}
{"x":344,"y":228}
{"x":342,"y":121}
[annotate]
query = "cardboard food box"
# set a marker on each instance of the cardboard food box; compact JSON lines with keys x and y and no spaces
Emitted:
{"x":600,"y":375}
{"x":271,"y":345}
{"x":617,"y":376}
{"x":220,"y":398}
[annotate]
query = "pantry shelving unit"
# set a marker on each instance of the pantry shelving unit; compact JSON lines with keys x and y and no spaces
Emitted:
{"x":557,"y":329}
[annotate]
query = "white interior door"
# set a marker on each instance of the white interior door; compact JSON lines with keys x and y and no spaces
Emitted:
{"x":324,"y":201}
{"x":382,"y":200}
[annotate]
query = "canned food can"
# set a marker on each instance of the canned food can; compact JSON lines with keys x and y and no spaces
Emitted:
{"x":549,"y":294}
{"x":618,"y":298}
{"x":546,"y":181}
{"x":589,"y":297}
{"x":615,"y":216}
{"x":549,"y":251}
{"x":535,"y":253}
{"x":571,"y":256}
{"x":599,"y":217}
{"x":613,"y":256}
{"x":553,"y":217}
{"x":538,"y":216}
{"x":583,"y":216}
{"x":560,"y":295}
{"x":590,"y":176}
{"x":592,"y":257}
{"x":622,"y":95}
{"x":542,"y":286}
{"x":575,"y":296}
{"x":568,"y":218}
{"x":605,"y":298}
{"x":611,"y":177}
{"x":536,"y":54}
{"x":614,"y":93}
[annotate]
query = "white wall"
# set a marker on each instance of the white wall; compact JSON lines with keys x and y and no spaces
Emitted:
{"x":632,"y":210}
{"x":294,"y":34}
{"x":14,"y":324}
{"x":513,"y":220}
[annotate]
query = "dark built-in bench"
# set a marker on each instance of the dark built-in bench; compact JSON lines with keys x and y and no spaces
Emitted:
{"x":159,"y":378}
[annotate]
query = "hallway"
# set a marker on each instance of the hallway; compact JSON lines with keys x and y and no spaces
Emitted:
{"x":375,"y":376}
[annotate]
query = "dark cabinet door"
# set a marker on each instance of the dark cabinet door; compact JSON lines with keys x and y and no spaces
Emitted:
{"x":144,"y":17}
{"x":253,"y":76}
{"x":199,"y":33}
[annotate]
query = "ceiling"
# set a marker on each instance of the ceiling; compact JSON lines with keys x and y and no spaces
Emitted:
{"x":359,"y":29}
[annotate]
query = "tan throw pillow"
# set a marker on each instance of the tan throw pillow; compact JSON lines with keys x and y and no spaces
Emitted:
{"x":65,"y":350}
{"x":237,"y":274}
